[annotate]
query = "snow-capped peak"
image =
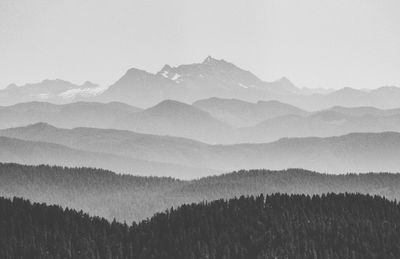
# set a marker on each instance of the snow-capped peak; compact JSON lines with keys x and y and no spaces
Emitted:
{"x":168,"y":72}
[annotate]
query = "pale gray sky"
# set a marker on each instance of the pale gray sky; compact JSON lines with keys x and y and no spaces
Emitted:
{"x":315,"y":43}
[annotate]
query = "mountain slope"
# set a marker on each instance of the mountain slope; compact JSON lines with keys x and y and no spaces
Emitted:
{"x":122,"y":143}
{"x":34,"y":152}
{"x":140,"y":88}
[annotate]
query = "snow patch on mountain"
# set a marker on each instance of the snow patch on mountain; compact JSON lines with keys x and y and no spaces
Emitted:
{"x":85,"y":92}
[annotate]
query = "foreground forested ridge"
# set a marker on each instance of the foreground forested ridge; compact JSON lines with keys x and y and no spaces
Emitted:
{"x":276,"y":226}
{"x":104,"y":193}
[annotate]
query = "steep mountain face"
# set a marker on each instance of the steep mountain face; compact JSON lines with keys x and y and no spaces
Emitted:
{"x":357,"y":152}
{"x":239,"y":113}
{"x":140,"y":88}
{"x":176,"y":119}
{"x":56,"y":91}
{"x":89,"y":114}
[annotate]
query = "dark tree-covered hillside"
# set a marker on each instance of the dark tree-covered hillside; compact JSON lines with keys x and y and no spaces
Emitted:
{"x":331,"y":226}
{"x":96,"y":191}
{"x":133,"y":198}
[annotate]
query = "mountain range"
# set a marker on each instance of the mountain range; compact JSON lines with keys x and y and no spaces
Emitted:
{"x":191,"y":82}
{"x":188,"y":83}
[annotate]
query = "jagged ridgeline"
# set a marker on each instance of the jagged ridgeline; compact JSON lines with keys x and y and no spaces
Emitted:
{"x":133,"y":198}
{"x":275,"y":226}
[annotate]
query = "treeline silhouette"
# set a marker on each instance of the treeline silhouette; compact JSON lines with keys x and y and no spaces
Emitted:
{"x":331,"y":226}
{"x":133,"y":198}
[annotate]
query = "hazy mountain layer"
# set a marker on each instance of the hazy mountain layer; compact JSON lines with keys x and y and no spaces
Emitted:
{"x":387,"y":97}
{"x":214,"y":121}
{"x":34,"y":153}
{"x":356,"y":152}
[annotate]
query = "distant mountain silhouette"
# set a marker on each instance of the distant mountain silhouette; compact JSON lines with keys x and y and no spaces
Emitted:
{"x":191,"y":82}
{"x":222,"y":79}
{"x":188,"y":83}
{"x":383,"y":98}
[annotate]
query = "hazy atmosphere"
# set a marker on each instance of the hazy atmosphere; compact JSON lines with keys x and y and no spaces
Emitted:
{"x":199,"y":129}
{"x":328,"y":44}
